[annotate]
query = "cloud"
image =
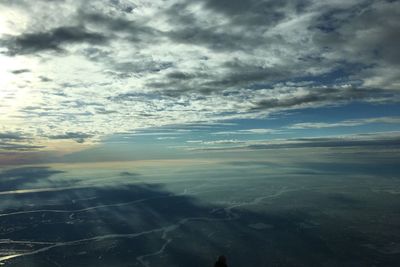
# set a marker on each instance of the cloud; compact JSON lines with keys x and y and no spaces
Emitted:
{"x":16,"y":141}
{"x":373,"y":140}
{"x":118,"y":24}
{"x":317,"y":96}
{"x":167,"y":138}
{"x":248,"y":131}
{"x":20,"y":71}
{"x":97,"y":68}
{"x":28,"y":43}
{"x":8,"y":146}
{"x":364,"y":34}
{"x":346,"y":123}
{"x":12,"y":136}
{"x":76,"y":136}
{"x":222,"y":142}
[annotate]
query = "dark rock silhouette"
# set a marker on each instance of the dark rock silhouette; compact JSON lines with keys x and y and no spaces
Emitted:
{"x":221,"y":262}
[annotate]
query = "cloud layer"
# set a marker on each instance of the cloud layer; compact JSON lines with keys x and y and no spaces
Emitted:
{"x":82,"y":70}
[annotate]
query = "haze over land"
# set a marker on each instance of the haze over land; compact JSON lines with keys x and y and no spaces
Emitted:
{"x":153,"y":133}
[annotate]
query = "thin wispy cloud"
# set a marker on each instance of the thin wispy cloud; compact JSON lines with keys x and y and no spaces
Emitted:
{"x":346,"y":123}
{"x":248,"y":131}
{"x":371,"y":141}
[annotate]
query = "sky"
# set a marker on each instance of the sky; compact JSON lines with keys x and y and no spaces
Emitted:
{"x":119,"y":80}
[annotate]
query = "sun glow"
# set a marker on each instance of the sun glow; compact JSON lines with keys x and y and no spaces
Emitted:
{"x":17,"y":83}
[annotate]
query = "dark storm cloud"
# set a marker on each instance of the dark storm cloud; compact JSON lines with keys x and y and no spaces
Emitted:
{"x":76,"y":136}
{"x":28,"y":43}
